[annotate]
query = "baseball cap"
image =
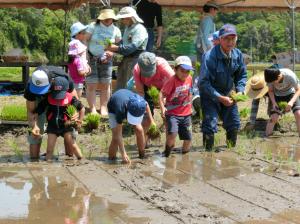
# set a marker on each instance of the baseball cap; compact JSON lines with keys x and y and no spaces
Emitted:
{"x":227,"y":29}
{"x":76,"y":47}
{"x":136,"y":107}
{"x":77,"y":28}
{"x":39,"y":83}
{"x":59,"y":88}
{"x":147,"y":64}
{"x":184,"y":62}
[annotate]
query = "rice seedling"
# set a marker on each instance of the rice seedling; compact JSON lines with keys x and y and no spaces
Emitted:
{"x":92,"y":121}
{"x":282,"y":105}
{"x":241,"y":150}
{"x":268,"y":154}
{"x":12,"y":143}
{"x":70,"y":112}
{"x":239,"y":97}
{"x":153,"y":92}
{"x":153,"y":132}
{"x":14,"y":113}
{"x":244,"y":113}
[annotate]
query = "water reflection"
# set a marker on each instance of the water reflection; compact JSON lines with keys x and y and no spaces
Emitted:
{"x":50,"y":199}
{"x":179,"y":169}
{"x":282,"y":149}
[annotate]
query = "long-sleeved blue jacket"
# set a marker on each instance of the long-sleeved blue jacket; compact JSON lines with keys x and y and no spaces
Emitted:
{"x":220,"y":74}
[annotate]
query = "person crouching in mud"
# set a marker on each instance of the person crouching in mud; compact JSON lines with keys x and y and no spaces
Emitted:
{"x":124,"y":104}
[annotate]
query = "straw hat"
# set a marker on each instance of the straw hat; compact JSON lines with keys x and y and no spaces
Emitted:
{"x":256,"y":86}
{"x":107,"y":14}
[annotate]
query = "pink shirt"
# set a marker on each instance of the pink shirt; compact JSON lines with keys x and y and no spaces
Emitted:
{"x":178,"y":95}
{"x":163,"y":73}
{"x":77,"y":65}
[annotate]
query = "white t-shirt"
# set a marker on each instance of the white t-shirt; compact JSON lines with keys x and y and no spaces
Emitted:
{"x":288,"y":85}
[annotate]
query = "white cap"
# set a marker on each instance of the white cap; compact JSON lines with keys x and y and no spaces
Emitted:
{"x":184,"y":62}
{"x":39,"y":83}
{"x":127,"y":12}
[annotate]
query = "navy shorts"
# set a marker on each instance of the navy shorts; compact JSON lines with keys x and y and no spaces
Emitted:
{"x":287,"y":98}
{"x":181,"y":125}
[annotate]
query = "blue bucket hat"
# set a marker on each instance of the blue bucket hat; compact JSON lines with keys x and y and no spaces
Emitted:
{"x":77,"y":28}
{"x":136,"y":108}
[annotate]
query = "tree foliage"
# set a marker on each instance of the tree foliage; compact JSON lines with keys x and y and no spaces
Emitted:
{"x":40,"y":32}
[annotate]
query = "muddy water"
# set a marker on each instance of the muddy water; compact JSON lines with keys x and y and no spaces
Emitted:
{"x":287,"y":148}
{"x":289,"y":216}
{"x":32,"y":198}
{"x":193,"y":167}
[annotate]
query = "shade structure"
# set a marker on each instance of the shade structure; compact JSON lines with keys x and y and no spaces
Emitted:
{"x":51,"y":4}
{"x":226,"y":5}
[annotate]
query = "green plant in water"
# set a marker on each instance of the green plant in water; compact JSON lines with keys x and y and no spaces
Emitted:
{"x":244,"y":113}
{"x":241,"y":150}
{"x":268,"y":154}
{"x":282,"y":105}
{"x":15,"y":148}
{"x":14,"y":113}
{"x":153,"y":92}
{"x":92,"y":121}
{"x":153,"y":132}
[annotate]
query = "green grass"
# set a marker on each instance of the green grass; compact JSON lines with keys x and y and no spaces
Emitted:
{"x":14,"y":113}
{"x":13,"y":74}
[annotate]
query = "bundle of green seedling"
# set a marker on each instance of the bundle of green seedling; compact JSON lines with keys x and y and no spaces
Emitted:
{"x":14,"y":113}
{"x":244,"y":113}
{"x":153,"y":92}
{"x":106,"y":43}
{"x":282,"y":105}
{"x":238,"y":97}
{"x":92,"y":121}
{"x":70,"y":112}
{"x":153,"y":132}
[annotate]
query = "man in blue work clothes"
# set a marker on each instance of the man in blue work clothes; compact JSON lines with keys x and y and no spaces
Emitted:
{"x":224,"y":70}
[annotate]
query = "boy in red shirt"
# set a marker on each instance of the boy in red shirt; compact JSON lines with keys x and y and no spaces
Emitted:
{"x":176,"y":105}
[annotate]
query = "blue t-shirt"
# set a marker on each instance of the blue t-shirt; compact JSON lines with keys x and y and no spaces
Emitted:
{"x":117,"y":104}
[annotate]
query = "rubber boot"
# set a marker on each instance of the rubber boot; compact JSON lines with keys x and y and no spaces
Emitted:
{"x":167,"y":151}
{"x":231,"y":137}
{"x":208,"y":141}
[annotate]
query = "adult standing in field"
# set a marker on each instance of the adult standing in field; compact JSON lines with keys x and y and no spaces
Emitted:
{"x":150,"y":71}
{"x":101,"y":33}
{"x":206,"y":29}
{"x":134,"y":42}
{"x":150,"y":11}
{"x":36,"y":90}
{"x":125,"y":104}
{"x":223,"y":71}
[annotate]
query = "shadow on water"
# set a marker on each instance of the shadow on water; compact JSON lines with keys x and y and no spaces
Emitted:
{"x":33,"y":199}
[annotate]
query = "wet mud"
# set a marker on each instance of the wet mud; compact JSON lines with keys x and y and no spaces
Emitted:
{"x":255,"y":182}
